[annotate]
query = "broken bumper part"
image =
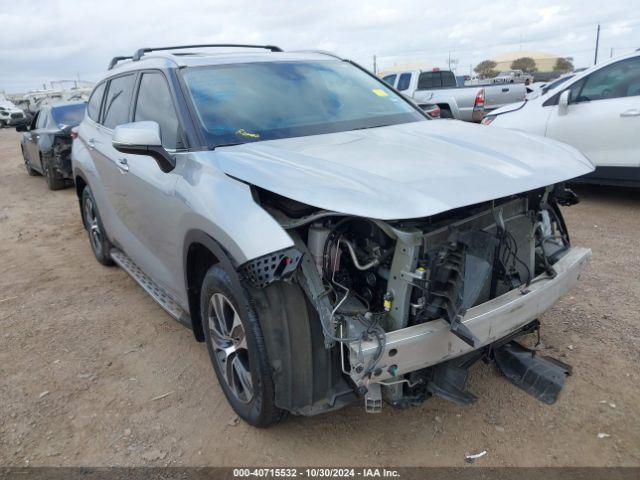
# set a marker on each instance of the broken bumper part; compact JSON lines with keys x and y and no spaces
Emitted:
{"x":427,"y":344}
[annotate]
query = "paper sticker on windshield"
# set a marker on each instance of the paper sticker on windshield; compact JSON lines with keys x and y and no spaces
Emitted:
{"x":379,"y":92}
{"x":244,"y":133}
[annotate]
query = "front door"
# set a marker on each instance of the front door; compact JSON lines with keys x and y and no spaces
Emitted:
{"x":148,"y":207}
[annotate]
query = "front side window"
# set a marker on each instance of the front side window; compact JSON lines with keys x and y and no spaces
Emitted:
{"x":118,"y":100}
{"x":93,"y":107}
{"x":67,"y":115}
{"x":621,"y":79}
{"x":404,"y":81}
{"x":250,"y":102}
{"x":618,"y":80}
{"x":390,"y":79}
{"x":154,"y":103}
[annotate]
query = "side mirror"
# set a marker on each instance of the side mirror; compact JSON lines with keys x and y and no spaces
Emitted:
{"x":23,"y":127}
{"x":143,"y":138}
{"x":563,"y":103}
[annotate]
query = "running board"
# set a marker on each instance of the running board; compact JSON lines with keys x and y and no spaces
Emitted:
{"x":160,"y":295}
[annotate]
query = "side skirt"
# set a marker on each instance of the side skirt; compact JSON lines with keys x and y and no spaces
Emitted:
{"x":161,"y":296}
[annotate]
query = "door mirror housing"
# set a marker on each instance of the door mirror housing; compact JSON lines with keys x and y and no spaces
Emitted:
{"x":143,"y":138}
{"x":563,"y":103}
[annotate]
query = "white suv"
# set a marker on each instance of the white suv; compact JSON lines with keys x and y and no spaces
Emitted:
{"x":597,"y":111}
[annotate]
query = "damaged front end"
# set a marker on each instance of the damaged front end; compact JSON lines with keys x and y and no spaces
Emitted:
{"x":405,"y":307}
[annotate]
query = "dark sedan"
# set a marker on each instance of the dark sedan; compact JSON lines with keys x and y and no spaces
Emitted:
{"x":46,"y":142}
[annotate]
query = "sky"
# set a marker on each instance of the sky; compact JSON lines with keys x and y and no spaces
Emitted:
{"x":44,"y":40}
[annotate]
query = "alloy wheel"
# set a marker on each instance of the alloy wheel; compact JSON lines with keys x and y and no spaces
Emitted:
{"x":230,"y":346}
{"x":93,"y":227}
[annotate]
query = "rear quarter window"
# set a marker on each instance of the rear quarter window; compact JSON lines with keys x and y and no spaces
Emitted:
{"x":93,"y":107}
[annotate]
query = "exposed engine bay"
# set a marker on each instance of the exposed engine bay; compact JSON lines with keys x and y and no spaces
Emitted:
{"x":370,"y":280}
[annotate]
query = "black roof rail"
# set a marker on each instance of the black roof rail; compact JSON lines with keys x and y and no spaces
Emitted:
{"x":141,"y":51}
{"x":114,"y":61}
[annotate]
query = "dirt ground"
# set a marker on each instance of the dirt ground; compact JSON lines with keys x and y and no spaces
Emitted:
{"x":93,"y":372}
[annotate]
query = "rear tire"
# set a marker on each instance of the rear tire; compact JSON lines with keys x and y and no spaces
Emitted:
{"x":237,"y":350}
{"x":55,"y":181}
{"x":27,"y":165}
{"x":445,"y":112}
{"x":100,"y":244}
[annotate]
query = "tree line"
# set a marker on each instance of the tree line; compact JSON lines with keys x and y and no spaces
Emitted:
{"x":487,"y":68}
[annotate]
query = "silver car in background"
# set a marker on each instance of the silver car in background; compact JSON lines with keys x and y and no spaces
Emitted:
{"x":325,"y":238}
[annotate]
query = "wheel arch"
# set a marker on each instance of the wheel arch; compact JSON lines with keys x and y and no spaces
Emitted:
{"x":200,"y":253}
{"x":80,"y":184}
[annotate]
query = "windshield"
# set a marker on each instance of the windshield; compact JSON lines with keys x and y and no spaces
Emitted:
{"x":249,"y":102}
{"x":69,"y":115}
{"x":554,"y":84}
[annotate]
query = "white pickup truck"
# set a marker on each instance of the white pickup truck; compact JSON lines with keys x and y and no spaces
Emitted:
{"x":513,"y":76}
{"x":439,"y":87}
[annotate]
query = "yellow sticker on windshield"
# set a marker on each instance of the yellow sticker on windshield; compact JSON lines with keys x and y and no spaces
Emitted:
{"x":379,"y":92}
{"x":244,"y":133}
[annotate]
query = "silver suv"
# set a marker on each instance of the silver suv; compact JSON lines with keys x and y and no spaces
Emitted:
{"x":323,"y":236}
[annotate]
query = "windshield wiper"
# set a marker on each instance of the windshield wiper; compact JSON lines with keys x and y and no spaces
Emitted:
{"x":374,"y":126}
{"x":227,"y":145}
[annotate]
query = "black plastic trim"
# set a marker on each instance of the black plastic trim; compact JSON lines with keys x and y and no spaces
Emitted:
{"x":141,"y":51}
{"x":164,"y":160}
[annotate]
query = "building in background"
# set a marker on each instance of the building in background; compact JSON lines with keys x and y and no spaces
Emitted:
{"x":544,"y":61}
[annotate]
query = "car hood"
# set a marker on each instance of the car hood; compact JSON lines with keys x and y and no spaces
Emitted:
{"x":403,"y":171}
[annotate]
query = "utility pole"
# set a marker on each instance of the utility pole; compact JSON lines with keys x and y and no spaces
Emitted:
{"x":375,"y":65}
{"x":595,"y":58}
{"x":449,"y":59}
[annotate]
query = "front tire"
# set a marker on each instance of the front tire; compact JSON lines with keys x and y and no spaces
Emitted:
{"x":100,"y":244}
{"x":237,"y":350}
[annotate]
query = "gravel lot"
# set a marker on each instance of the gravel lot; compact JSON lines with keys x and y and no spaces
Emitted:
{"x":93,"y":372}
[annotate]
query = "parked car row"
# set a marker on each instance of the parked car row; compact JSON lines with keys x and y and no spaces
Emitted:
{"x":11,"y":116}
{"x":46,"y":142}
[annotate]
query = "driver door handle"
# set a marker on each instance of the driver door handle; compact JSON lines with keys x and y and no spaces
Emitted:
{"x":634,"y":112}
{"x":123,"y":164}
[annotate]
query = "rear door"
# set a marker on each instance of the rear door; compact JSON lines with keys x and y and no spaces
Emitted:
{"x":116,"y":110}
{"x":603,"y":116}
{"x":34,"y":136}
